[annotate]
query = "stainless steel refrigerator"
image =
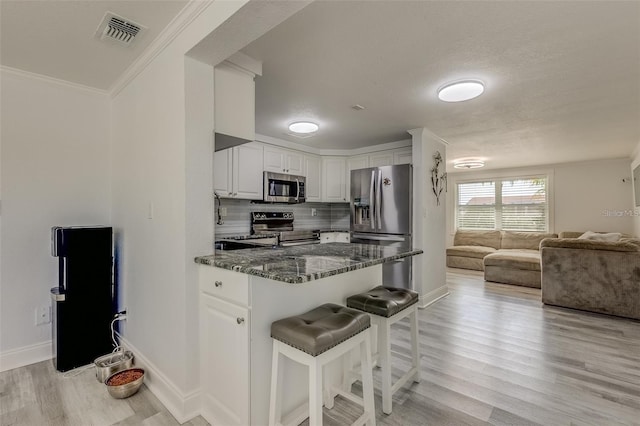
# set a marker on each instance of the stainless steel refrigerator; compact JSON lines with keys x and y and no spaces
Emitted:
{"x":381,"y":215}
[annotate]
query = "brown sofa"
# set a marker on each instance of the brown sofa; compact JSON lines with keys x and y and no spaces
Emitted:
{"x":505,"y":256}
{"x":595,"y":276}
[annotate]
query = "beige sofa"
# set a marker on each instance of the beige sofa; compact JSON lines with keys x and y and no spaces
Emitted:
{"x":595,"y":276}
{"x":505,"y":256}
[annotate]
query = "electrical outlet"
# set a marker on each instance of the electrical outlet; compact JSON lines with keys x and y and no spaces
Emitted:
{"x":223,"y":211}
{"x":43,"y":315}
{"x":314,"y":212}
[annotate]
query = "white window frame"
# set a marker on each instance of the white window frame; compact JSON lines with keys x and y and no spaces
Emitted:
{"x":499,"y":177}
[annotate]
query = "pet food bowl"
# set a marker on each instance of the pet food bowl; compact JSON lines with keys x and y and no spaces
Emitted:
{"x":127,"y":388}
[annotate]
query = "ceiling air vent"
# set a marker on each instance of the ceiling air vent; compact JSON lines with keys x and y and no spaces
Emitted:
{"x":118,"y":29}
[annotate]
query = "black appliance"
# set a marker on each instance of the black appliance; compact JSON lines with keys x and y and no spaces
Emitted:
{"x":281,"y":224}
{"x":83,"y":303}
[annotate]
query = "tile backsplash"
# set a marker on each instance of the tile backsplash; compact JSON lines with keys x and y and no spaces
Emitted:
{"x":238,"y":219}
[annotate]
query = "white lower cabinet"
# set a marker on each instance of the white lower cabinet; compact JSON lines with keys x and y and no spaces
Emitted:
{"x":225,"y":365}
{"x":327,"y":237}
{"x":334,"y":237}
{"x":343,"y":237}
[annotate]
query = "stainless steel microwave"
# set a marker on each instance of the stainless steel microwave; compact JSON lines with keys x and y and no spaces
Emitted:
{"x":283,"y":188}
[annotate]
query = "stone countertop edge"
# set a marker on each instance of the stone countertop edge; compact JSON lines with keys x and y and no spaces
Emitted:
{"x":237,"y":237}
{"x":302,"y":278}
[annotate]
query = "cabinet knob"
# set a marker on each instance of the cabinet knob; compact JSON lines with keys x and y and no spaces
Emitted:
{"x":240,"y":320}
{"x":218,"y":283}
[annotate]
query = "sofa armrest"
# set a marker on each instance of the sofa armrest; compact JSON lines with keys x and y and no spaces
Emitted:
{"x":625,"y":245}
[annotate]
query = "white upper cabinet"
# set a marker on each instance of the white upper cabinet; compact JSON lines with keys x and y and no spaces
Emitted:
{"x":237,"y":171}
{"x":235,"y":100}
{"x":223,"y":172}
{"x":358,"y":162}
{"x":313,"y":168}
{"x":333,"y":179}
{"x":402,"y":156}
{"x":383,"y":158}
{"x":283,"y":160}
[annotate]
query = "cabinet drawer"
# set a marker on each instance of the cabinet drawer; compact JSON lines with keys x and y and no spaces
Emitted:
{"x":225,"y":284}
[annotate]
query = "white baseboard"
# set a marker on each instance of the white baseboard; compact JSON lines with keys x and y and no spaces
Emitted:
{"x":433,"y":296}
{"x":182,"y":406}
{"x":25,"y":355}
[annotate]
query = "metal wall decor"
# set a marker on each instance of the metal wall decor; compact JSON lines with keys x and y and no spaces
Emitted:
{"x":438,"y":181}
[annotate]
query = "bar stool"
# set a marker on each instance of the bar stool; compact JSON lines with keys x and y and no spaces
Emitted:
{"x":314,"y":339}
{"x":388,"y":305}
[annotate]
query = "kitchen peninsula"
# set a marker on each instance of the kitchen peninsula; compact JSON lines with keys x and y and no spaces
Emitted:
{"x":243,"y":291}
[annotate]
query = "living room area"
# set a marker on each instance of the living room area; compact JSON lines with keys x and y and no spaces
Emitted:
{"x":567,"y":229}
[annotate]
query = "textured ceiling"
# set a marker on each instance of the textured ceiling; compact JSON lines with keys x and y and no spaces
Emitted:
{"x":562,"y":78}
{"x":56,"y":38}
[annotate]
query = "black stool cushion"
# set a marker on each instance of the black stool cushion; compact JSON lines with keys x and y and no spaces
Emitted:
{"x":383,"y":301}
{"x":320,"y":329}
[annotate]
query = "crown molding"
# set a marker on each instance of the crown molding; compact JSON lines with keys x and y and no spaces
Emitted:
{"x":428,"y":132}
{"x":635,"y":154}
{"x":329,"y":151}
{"x":51,"y":80}
{"x":188,"y":13}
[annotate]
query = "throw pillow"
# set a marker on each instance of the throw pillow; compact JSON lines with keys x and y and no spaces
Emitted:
{"x":611,"y":236}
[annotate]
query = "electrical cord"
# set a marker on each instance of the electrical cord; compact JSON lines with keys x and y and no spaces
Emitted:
{"x":118,"y":317}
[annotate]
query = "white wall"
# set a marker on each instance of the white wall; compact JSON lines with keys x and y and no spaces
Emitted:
{"x":55,"y":171}
{"x":158,"y":157}
{"x":581,"y":193}
{"x":429,"y":219}
{"x":635,"y":162}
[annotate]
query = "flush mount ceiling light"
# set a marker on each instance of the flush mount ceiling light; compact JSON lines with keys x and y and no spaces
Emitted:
{"x":468,"y":164}
{"x":459,"y":91}
{"x":303,"y":127}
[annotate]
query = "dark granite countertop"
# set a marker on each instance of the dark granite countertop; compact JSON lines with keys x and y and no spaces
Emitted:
{"x":219,"y":237}
{"x":299,"y":264}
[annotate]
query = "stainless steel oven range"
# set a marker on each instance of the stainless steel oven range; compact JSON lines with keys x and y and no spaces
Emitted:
{"x":281,"y":223}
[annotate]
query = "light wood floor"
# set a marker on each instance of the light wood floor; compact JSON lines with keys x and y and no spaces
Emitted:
{"x":491,"y":354}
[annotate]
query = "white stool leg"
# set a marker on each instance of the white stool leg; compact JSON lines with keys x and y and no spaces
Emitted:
{"x":329,"y":394}
{"x":384,"y":350}
{"x":315,"y":394}
{"x":367,"y":379}
{"x":415,"y":352}
{"x":275,"y":401}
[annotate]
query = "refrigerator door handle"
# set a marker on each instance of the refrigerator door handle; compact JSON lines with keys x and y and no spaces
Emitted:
{"x":379,"y":200}
{"x":372,"y":219}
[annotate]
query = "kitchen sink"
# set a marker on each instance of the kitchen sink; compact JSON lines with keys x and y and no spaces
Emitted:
{"x":234,"y":245}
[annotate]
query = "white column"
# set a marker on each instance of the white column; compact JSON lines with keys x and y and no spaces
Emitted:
{"x":429,"y":218}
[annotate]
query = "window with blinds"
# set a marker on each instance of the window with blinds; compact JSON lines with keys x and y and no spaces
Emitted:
{"x":513,"y":204}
